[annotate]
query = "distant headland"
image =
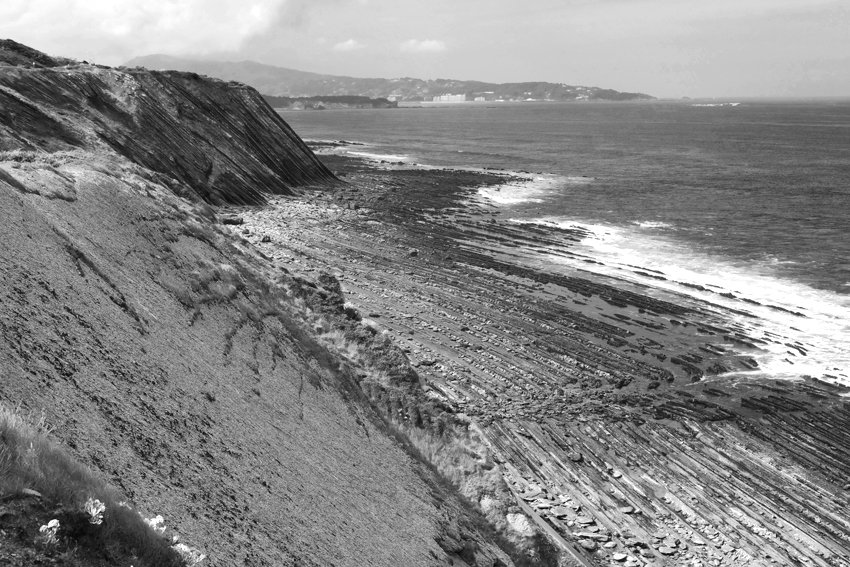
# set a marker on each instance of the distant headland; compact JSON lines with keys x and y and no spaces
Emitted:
{"x":283,"y":82}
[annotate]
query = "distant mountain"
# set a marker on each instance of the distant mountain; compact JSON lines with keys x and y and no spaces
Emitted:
{"x":280,"y":81}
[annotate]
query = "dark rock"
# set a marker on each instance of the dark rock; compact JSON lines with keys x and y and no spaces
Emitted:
{"x":232,"y":220}
{"x":221,"y":140}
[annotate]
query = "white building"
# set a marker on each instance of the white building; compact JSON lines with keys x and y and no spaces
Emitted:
{"x":450,"y":98}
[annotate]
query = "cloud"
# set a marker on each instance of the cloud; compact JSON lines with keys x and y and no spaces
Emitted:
{"x":423,"y":46}
{"x":348,"y":45}
{"x":110,"y":32}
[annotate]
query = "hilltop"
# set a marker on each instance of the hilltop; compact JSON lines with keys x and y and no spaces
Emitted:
{"x":280,"y":81}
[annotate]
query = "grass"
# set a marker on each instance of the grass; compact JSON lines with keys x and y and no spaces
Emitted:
{"x":30,"y":461}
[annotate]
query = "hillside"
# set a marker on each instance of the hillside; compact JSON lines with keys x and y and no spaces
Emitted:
{"x":327,"y":102}
{"x":220,"y":139}
{"x":280,"y":81}
{"x":173,"y":360}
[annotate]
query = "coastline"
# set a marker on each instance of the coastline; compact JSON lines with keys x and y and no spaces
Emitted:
{"x":614,"y":416}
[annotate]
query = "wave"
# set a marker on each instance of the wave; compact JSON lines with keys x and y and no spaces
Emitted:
{"x":785,"y":313}
{"x":379,"y":157}
{"x":522,"y":188}
{"x":653,"y":224}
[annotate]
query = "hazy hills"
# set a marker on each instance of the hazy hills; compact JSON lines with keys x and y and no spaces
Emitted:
{"x":280,"y":81}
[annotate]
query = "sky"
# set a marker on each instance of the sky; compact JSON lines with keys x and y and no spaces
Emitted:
{"x":666,"y":48}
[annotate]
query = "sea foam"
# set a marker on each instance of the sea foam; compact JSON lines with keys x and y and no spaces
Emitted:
{"x":522,"y":188}
{"x":783,"y":311}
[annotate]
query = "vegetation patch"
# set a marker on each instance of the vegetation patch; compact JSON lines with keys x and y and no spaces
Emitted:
{"x":54,"y":507}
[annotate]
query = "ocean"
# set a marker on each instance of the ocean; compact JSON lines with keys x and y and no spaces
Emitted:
{"x":744,"y":205}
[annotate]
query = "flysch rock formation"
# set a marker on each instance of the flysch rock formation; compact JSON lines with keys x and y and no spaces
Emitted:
{"x":610,"y":411}
{"x":164,"y":351}
{"x":219,"y":138}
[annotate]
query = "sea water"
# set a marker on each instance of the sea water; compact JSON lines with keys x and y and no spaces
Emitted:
{"x":745,"y":205}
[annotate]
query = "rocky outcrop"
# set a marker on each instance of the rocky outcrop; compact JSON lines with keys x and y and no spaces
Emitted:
{"x":615,"y":451}
{"x":220,"y":139}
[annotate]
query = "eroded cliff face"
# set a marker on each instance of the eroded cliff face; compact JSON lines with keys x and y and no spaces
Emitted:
{"x":167,"y":354}
{"x":220,"y":139}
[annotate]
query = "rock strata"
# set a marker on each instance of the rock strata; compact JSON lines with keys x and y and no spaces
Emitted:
{"x":220,"y":139}
{"x":593,"y":392}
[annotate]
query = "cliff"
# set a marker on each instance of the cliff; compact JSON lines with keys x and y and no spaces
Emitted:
{"x":280,"y":81}
{"x":220,"y":139}
{"x":169,"y":357}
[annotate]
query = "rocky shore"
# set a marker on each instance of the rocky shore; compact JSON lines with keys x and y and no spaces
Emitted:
{"x":617,"y":418}
{"x":366,"y":367}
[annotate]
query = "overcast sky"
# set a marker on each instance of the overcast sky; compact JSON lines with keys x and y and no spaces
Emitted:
{"x":667,"y":48}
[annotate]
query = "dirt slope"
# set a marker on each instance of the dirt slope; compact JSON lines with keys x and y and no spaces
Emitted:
{"x":164,"y":353}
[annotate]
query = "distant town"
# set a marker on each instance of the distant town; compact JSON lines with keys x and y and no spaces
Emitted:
{"x":491,"y":96}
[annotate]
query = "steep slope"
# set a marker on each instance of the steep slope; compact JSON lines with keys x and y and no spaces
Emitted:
{"x":280,"y":81}
{"x":221,"y":139}
{"x":168,"y":356}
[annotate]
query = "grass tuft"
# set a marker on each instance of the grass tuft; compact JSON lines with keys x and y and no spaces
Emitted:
{"x":30,"y":461}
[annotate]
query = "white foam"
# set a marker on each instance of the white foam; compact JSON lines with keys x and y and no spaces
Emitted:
{"x":524,"y":190}
{"x":379,"y":157}
{"x":653,"y":224}
{"x":816,"y":320}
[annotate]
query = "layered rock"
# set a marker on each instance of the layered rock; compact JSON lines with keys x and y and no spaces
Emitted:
{"x":220,"y":139}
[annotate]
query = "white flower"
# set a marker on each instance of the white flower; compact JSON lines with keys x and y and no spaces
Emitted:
{"x":190,"y":555}
{"x":157,"y":523}
{"x":95,"y":509}
{"x":49,"y":531}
